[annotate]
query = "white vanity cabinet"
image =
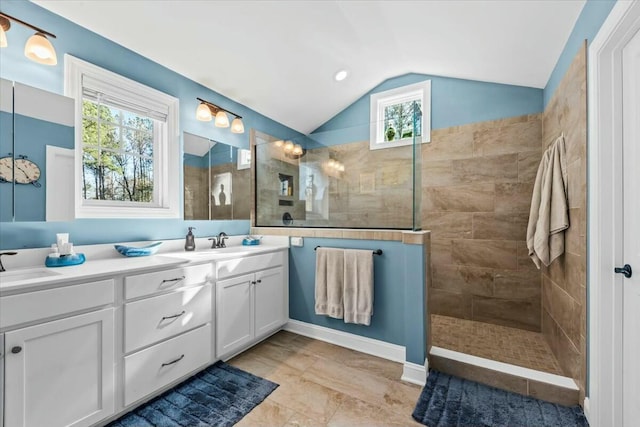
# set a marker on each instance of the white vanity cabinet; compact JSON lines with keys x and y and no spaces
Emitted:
{"x":59,"y":372}
{"x":167,"y":328}
{"x":252,"y":300}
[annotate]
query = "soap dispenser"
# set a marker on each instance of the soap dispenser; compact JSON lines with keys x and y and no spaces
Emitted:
{"x":190,"y":243}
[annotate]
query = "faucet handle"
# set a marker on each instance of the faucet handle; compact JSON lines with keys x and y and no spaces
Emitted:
{"x":221,"y":238}
{"x":5,"y":253}
{"x":214,"y":242}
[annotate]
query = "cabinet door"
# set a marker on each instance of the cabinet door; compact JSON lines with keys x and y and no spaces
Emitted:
{"x":234,"y":314}
{"x":60,"y":373}
{"x":269,"y":300}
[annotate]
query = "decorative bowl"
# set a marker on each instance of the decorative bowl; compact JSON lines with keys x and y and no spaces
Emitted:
{"x":141,"y":251}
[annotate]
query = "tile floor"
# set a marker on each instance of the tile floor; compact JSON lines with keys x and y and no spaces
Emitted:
{"x":325,"y":385}
{"x":509,"y":345}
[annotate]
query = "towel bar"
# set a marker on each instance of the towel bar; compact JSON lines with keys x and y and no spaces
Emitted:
{"x":375,"y":252}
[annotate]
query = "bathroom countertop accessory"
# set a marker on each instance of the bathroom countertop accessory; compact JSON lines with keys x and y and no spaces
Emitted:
{"x":65,"y":260}
{"x":190,"y":241}
{"x":251,"y":241}
{"x":141,"y":251}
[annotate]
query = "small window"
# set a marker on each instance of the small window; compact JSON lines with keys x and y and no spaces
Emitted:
{"x":399,"y":115}
{"x":244,"y":159}
{"x":128,"y":151}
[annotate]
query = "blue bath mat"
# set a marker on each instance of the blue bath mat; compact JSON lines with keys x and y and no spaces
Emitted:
{"x":451,"y":401}
{"x":218,"y":396}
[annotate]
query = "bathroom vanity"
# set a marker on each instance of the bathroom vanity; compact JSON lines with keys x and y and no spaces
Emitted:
{"x":86,"y":344}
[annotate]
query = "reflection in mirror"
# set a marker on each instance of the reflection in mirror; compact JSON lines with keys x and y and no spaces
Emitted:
{"x":217,"y":180}
{"x":40,"y":130}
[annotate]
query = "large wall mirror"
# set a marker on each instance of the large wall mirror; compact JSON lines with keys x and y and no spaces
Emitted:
{"x":217,"y":180}
{"x":36,"y":154}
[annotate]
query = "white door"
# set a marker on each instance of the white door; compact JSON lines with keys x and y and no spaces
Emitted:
{"x":631,"y":251}
{"x":270,"y":309}
{"x":234,"y":313}
{"x":60,"y":373}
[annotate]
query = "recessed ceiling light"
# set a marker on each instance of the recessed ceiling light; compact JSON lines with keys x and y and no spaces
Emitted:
{"x":341,"y":75}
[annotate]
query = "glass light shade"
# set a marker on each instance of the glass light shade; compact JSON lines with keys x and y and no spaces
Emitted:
{"x":40,"y":50}
{"x":222,"y":120}
{"x":297,"y":150}
{"x":3,"y":37}
{"x":203,"y":113}
{"x":279,"y":143}
{"x":341,"y":167}
{"x":288,"y":146}
{"x":237,"y":126}
{"x":331,"y":163}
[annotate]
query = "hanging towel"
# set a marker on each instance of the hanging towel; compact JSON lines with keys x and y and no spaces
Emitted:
{"x":358,"y":286}
{"x":549,"y":215}
{"x":329,"y":282}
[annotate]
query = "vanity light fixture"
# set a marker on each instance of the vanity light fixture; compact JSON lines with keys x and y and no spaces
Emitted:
{"x":38,"y":48}
{"x":206,"y":111}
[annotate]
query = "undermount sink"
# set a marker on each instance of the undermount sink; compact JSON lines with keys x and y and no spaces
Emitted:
{"x":34,"y":273}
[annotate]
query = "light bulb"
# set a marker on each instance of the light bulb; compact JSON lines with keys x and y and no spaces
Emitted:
{"x":203,"y":113}
{"x":237,"y":126}
{"x":331,"y":163}
{"x":297,"y":150}
{"x":288,"y":146}
{"x":341,"y":168}
{"x":222,"y":120}
{"x":40,"y":50}
{"x":279,"y":143}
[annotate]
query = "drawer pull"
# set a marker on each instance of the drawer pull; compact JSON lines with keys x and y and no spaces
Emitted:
{"x":259,"y":280}
{"x":172,"y":362}
{"x":177,"y":279}
{"x":172,"y":317}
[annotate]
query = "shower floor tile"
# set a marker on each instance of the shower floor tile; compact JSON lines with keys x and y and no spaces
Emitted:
{"x":500,"y":343}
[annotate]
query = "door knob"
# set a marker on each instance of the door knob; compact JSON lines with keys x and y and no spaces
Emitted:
{"x":626,"y":270}
{"x":17,"y":349}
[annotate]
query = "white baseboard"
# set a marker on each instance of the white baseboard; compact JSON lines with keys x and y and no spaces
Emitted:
{"x":371,"y":346}
{"x":587,"y":410}
{"x":414,"y":373}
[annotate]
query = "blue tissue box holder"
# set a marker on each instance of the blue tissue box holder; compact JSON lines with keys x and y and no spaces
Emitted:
{"x":65,"y":260}
{"x":131,"y":251}
{"x":250,"y":242}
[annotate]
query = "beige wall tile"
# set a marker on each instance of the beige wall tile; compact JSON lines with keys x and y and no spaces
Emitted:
{"x":448,"y":303}
{"x":441,"y":252}
{"x":448,"y":224}
{"x":499,"y":168}
{"x":511,"y":284}
{"x":513,"y":197}
{"x":448,"y":145}
{"x":470,"y":280}
{"x":577,"y":190}
{"x":461,"y":198}
{"x":528,"y":163}
{"x":521,"y":313}
{"x":524,"y":260}
{"x":500,"y":226}
{"x":485,"y":253}
{"x":512,"y":138}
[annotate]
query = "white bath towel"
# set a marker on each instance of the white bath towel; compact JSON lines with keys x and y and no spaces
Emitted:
{"x":549,"y":215}
{"x":358,"y":286}
{"x":329,"y":282}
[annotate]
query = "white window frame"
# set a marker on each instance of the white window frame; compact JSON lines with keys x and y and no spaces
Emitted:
{"x":167,"y":161}
{"x":380,"y":100}
{"x":244,"y":159}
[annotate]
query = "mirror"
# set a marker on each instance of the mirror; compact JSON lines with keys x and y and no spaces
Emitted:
{"x":217,"y":180}
{"x":36,"y":148}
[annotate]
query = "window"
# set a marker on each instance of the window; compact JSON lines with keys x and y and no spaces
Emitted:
{"x":244,"y":159}
{"x":127,"y":150}
{"x":398,"y":114}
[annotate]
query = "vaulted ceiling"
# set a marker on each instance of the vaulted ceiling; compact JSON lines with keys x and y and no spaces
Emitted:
{"x":279,"y":57}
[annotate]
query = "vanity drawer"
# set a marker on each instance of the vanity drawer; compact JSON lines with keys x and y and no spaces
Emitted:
{"x":160,"y":281}
{"x":249,"y":264}
{"x":153,"y":368}
{"x":31,"y":306}
{"x":153,"y":319}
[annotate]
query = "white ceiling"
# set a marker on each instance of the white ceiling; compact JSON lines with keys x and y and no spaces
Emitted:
{"x":279,"y":57}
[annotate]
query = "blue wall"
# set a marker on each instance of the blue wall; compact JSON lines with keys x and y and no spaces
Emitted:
{"x":86,"y":45}
{"x":589,"y":22}
{"x":398,"y":293}
{"x":454,"y":102}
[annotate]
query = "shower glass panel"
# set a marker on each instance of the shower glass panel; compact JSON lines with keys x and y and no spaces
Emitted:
{"x":332,"y":178}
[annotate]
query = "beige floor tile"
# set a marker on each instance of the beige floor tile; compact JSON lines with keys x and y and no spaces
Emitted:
{"x":355,"y":412}
{"x":291,"y":357}
{"x":267,"y":414}
{"x":309,"y":398}
{"x":300,"y":420}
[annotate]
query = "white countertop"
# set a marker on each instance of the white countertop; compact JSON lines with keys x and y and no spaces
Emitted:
{"x":104,"y":261}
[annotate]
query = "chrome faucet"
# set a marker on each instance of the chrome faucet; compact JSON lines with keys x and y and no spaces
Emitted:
{"x":5,"y":253}
{"x":218,"y":242}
